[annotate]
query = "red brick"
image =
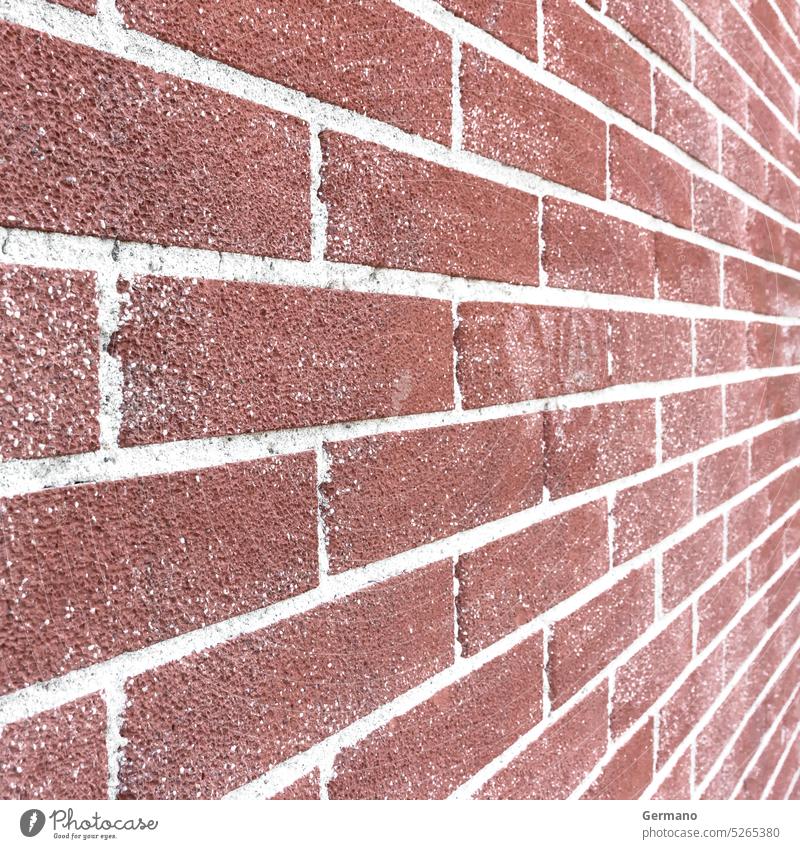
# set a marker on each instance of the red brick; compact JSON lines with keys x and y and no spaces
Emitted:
{"x":584,"y":249}
{"x":783,"y":395}
{"x":643,"y":678}
{"x":721,"y":476}
{"x":718,"y":215}
{"x":772,"y":345}
{"x":513,"y":352}
{"x":690,"y":563}
{"x":765,"y":237}
{"x":718,"y":605}
{"x":509,"y":582}
{"x":586,"y":54}
{"x":307,"y":787}
{"x":85,"y":564}
{"x":89,"y":7}
{"x":97,"y":152}
{"x":783,"y":493}
{"x":560,"y":758}
{"x":584,"y":642}
{"x":684,"y":122}
{"x":660,"y":25}
{"x":511,"y":21}
{"x":718,"y":81}
{"x":766,"y":559}
{"x":646,"y":179}
{"x":774,"y":448}
{"x":49,"y":393}
{"x":787,"y":772}
{"x":367,"y":56}
{"x":646,"y":513}
{"x":747,"y":520}
{"x":690,"y":420}
{"x":629,"y":772}
{"x":745,"y":405}
{"x":392,"y":210}
{"x":512,"y":119}
{"x":760,"y":774}
{"x":743,"y":164}
{"x":430,"y":751}
{"x":649,"y":347}
{"x":589,"y":446}
{"x":686,"y":272}
{"x":199,"y":360}
{"x":720,"y":346}
{"x":203,"y":725}
{"x":677,"y":785}
{"x":395,"y":491}
{"x":686,"y":706}
{"x":765,"y":126}
{"x":58,"y":754}
{"x":755,"y":289}
{"x":781,"y":192}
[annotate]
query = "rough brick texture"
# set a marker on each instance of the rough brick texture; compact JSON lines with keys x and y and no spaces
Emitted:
{"x":400,"y":400}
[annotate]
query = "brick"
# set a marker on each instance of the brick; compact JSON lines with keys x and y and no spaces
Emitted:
{"x":511,"y":21}
{"x":677,"y":784}
{"x":783,"y":395}
{"x":512,"y":119}
{"x":584,"y":642}
{"x":721,"y":476}
{"x":717,"y":606}
{"x":772,"y":345}
{"x":688,"y":704}
{"x":718,"y":81}
{"x":583,"y":52}
{"x":89,"y":7}
{"x":97,"y":153}
{"x":648,"y":674}
{"x":646,"y":179}
{"x":718,"y":215}
{"x":660,"y":25}
{"x":430,"y":751}
{"x":629,"y":772}
{"x":58,"y":754}
{"x":395,"y":491}
{"x":307,"y":787}
{"x":686,"y":272}
{"x":392,"y":210}
{"x":690,"y":563}
{"x":49,"y":392}
{"x":743,"y":164}
{"x":781,"y":192}
{"x":85,"y":565}
{"x":684,"y":122}
{"x":774,"y":448}
{"x":589,"y":446}
{"x":747,"y":520}
{"x":765,"y":237}
{"x":690,"y":420}
{"x":584,"y":249}
{"x":560,"y":758}
{"x":511,"y":581}
{"x":306,"y":678}
{"x":368,"y":56}
{"x":649,"y":347}
{"x":782,"y":492}
{"x":745,"y":405}
{"x":323,"y":356}
{"x":720,"y":346}
{"x":646,"y":513}
{"x":766,"y":559}
{"x":755,"y":289}
{"x":783,"y":780}
{"x":514,"y":352}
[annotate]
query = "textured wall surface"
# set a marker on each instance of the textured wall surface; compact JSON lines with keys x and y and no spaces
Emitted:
{"x":400,"y":398}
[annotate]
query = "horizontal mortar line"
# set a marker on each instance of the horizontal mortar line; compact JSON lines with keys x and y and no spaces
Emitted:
{"x":303,"y":762}
{"x":626,"y":738}
{"x":163,"y":57}
{"x":472,"y":785}
{"x":781,"y":763}
{"x":55,"y":692}
{"x":703,"y":100}
{"x":18,"y":477}
{"x":712,"y":39}
{"x":730,"y":743}
{"x":450,"y":24}
{"x":765,"y":740}
{"x":131,"y":259}
{"x":691,"y":737}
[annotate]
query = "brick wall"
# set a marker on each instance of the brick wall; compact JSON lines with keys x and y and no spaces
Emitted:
{"x":400,"y":398}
